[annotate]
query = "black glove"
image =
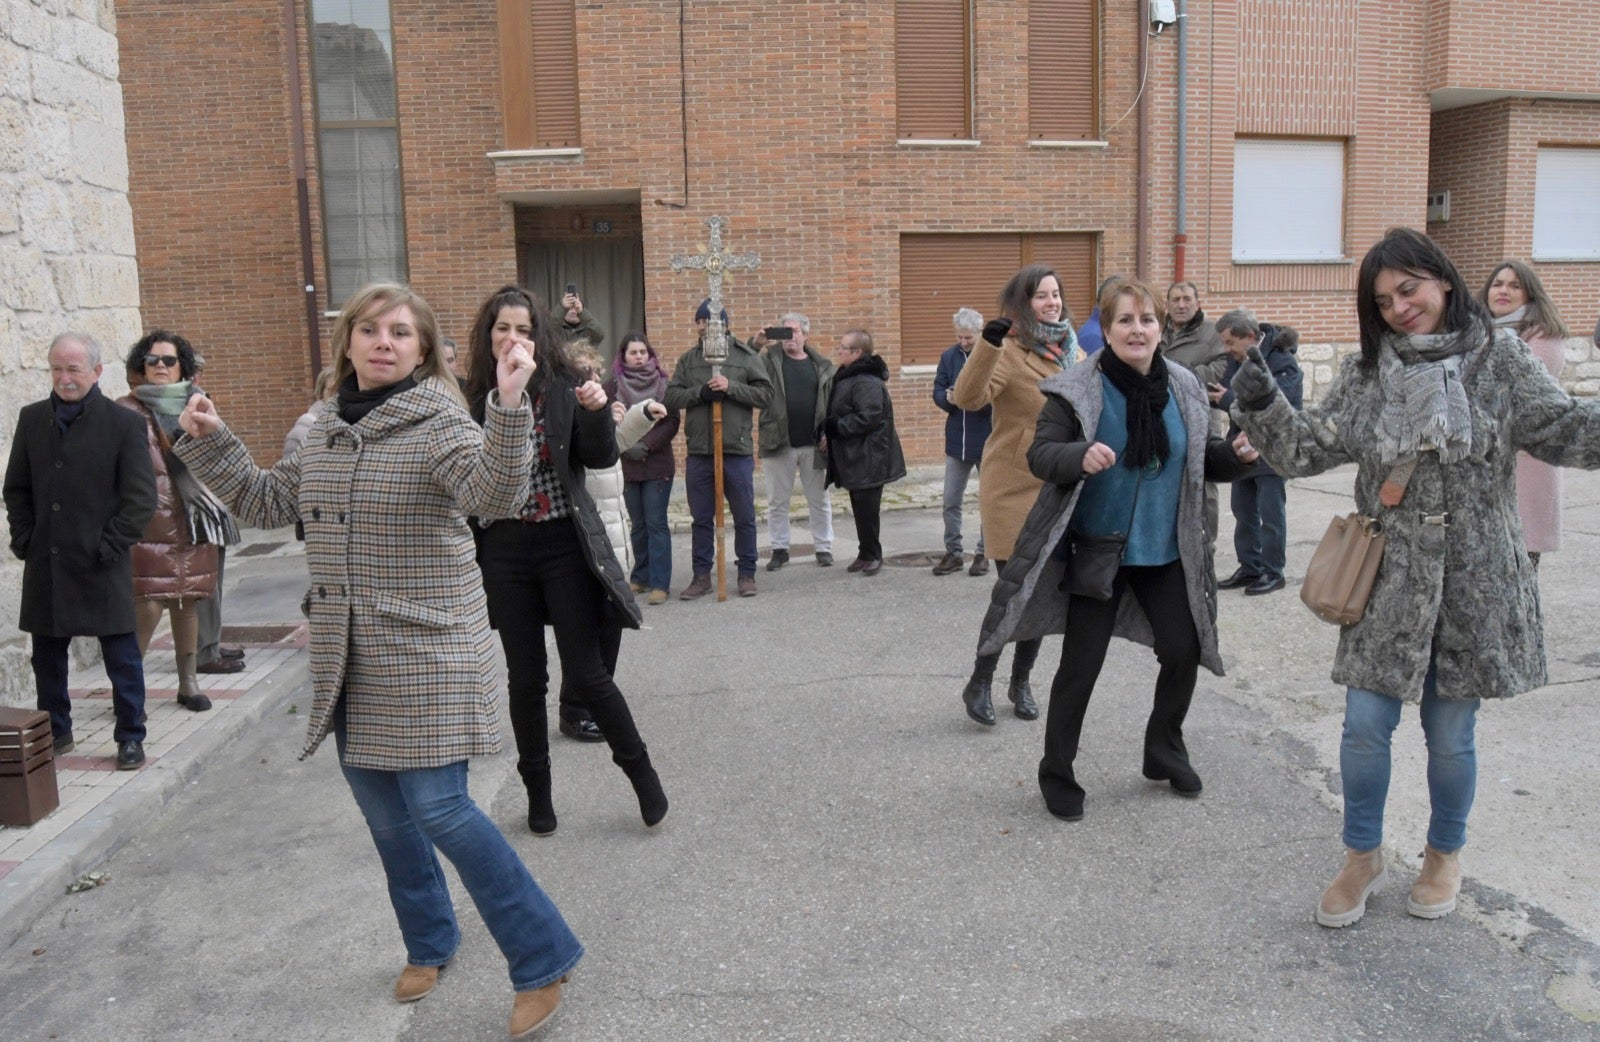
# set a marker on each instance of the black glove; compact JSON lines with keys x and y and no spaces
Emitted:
{"x":636,"y":452}
{"x":995,"y":330}
{"x":708,"y":396}
{"x":1253,"y":386}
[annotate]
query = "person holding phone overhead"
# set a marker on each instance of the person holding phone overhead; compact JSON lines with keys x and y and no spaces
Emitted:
{"x":801,"y":382}
{"x":402,"y":665}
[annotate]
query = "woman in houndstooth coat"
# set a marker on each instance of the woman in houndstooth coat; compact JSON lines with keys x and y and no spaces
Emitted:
{"x":402,"y":662}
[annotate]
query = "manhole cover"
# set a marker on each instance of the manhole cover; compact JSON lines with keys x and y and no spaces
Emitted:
{"x":275,"y":634}
{"x":914,"y":559}
{"x":258,"y":549}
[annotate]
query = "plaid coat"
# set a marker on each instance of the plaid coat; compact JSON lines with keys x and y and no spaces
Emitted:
{"x":399,"y":625}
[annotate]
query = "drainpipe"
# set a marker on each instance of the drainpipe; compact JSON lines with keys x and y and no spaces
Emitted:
{"x":1140,"y":232}
{"x":1180,"y":238}
{"x":297,"y":131}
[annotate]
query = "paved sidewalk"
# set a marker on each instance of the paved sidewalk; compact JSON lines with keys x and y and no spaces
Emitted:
{"x":102,"y":808}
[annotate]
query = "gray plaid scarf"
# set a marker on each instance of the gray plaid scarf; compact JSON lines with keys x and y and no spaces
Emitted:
{"x":1425,"y":406}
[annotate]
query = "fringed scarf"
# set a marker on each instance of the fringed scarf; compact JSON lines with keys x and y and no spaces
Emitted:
{"x":1425,"y":407}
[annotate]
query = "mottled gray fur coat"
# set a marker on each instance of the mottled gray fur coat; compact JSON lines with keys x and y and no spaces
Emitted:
{"x":1027,"y":601}
{"x":1464,"y":596}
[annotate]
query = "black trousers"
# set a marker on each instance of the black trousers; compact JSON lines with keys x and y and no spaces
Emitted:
{"x":1163,"y":596}
{"x":866,"y":504}
{"x":536,"y":575}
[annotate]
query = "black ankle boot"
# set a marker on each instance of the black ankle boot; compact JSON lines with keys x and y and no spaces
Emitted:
{"x":646,"y":785}
{"x":1173,"y":768}
{"x":1021,"y":694}
{"x":541,"y":811}
{"x":1063,"y":796}
{"x":976,"y":696}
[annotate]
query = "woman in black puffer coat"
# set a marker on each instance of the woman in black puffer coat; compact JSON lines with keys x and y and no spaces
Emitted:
{"x":860,"y":440}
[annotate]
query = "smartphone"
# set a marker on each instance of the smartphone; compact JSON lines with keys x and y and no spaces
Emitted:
{"x":779,"y":333}
{"x":572,"y":289}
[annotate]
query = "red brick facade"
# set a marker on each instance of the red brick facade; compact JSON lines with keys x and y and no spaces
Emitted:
{"x":787,"y":115}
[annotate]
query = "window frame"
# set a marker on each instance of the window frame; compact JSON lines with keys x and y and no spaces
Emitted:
{"x":320,"y":125}
{"x":1315,"y":253}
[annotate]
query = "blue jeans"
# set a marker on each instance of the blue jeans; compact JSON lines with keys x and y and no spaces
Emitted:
{"x":124,"y":668}
{"x":409,"y":814}
{"x":956,"y":473}
{"x":649,"y":531}
{"x":1448,"y":724}
{"x":1260,"y":524}
{"x":739,"y":488}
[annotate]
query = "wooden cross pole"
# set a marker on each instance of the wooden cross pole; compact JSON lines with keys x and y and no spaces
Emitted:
{"x":714,"y":260}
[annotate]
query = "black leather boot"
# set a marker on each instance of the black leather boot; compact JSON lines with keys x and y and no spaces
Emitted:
{"x":1020,"y":691}
{"x":976,"y":697}
{"x":541,"y":811}
{"x":1063,"y":796}
{"x":646,"y":785}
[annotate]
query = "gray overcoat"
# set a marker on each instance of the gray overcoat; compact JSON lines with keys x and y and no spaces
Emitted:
{"x":1027,"y":601}
{"x":1464,"y":595}
{"x":399,"y":626}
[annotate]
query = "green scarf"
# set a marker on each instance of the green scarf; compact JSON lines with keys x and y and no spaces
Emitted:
{"x":166,"y":402}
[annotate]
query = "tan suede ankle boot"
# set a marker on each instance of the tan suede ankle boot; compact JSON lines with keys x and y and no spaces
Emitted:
{"x":1346,"y":900}
{"x":415,"y":982}
{"x":533,"y":1008}
{"x":1434,"y":893}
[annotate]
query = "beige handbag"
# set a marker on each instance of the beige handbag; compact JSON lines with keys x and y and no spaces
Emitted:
{"x":1340,"y":576}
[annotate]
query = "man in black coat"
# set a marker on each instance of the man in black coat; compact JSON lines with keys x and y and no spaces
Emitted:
{"x":79,"y":490}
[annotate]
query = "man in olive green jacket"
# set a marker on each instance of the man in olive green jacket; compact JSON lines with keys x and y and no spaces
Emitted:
{"x":742,"y":386}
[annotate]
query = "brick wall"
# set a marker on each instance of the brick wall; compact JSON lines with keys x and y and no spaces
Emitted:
{"x":793,"y":141}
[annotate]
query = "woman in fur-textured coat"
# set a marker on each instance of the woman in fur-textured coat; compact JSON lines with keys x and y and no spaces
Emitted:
{"x":402,"y":664}
{"x":1437,"y":406}
{"x":1517,"y":300}
{"x":1123,"y":448}
{"x":1031,"y":340}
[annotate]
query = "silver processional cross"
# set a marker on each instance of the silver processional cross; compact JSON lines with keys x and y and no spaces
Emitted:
{"x":714,"y":261}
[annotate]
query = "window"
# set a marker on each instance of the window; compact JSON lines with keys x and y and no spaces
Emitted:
{"x":1566,"y":204}
{"x":358,"y":144}
{"x":940,"y":273}
{"x":1288,"y":200}
{"x":1062,"y":70}
{"x":539,"y":73}
{"x":932,"y":70}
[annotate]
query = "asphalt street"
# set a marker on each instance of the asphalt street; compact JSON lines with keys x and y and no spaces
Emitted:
{"x":848,"y":857}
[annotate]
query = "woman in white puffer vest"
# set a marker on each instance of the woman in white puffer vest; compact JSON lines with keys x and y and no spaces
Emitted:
{"x":605,"y":488}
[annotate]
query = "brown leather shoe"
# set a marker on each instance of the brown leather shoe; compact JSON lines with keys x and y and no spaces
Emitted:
{"x":980,"y":565}
{"x":872,"y":567}
{"x":747,"y":586}
{"x":697,"y":588}
{"x":222,"y":665}
{"x":1433,"y":895}
{"x":657,"y":597}
{"x":1345,"y":901}
{"x":415,"y":982}
{"x":533,"y":1008}
{"x":947,"y":564}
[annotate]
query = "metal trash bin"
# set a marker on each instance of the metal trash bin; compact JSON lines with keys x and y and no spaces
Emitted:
{"x":27,"y":767}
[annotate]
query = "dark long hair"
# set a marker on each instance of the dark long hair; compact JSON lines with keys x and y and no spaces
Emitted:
{"x":1410,"y":251}
{"x":1541,"y":318}
{"x":1016,"y":300}
{"x":547,"y":346}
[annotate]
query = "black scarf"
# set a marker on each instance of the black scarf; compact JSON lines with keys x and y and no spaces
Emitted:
{"x":1147,"y":399}
{"x":355,"y":403}
{"x":66,"y":412}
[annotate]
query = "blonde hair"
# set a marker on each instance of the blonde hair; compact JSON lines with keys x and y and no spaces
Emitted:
{"x":583,"y":354}
{"x":380,"y":298}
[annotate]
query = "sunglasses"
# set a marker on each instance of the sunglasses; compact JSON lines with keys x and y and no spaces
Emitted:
{"x":163,"y":361}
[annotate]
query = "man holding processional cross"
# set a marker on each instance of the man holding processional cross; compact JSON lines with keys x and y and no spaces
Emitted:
{"x":719,"y":384}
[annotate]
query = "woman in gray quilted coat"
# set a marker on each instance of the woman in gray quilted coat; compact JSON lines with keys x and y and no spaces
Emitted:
{"x":1433,"y":413}
{"x":402,"y":664}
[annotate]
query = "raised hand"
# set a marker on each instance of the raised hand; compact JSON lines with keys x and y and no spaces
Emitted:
{"x":199,"y":418}
{"x":592,"y":396}
{"x":995,"y":330}
{"x":513,"y":371}
{"x":1098,"y":457}
{"x":655,"y":410}
{"x":1253,"y":386}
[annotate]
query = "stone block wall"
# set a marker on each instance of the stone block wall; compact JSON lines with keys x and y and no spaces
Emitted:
{"x":66,"y":231}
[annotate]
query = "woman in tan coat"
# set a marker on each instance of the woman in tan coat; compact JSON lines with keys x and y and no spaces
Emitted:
{"x":1031,"y":340}
{"x":175,"y":562}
